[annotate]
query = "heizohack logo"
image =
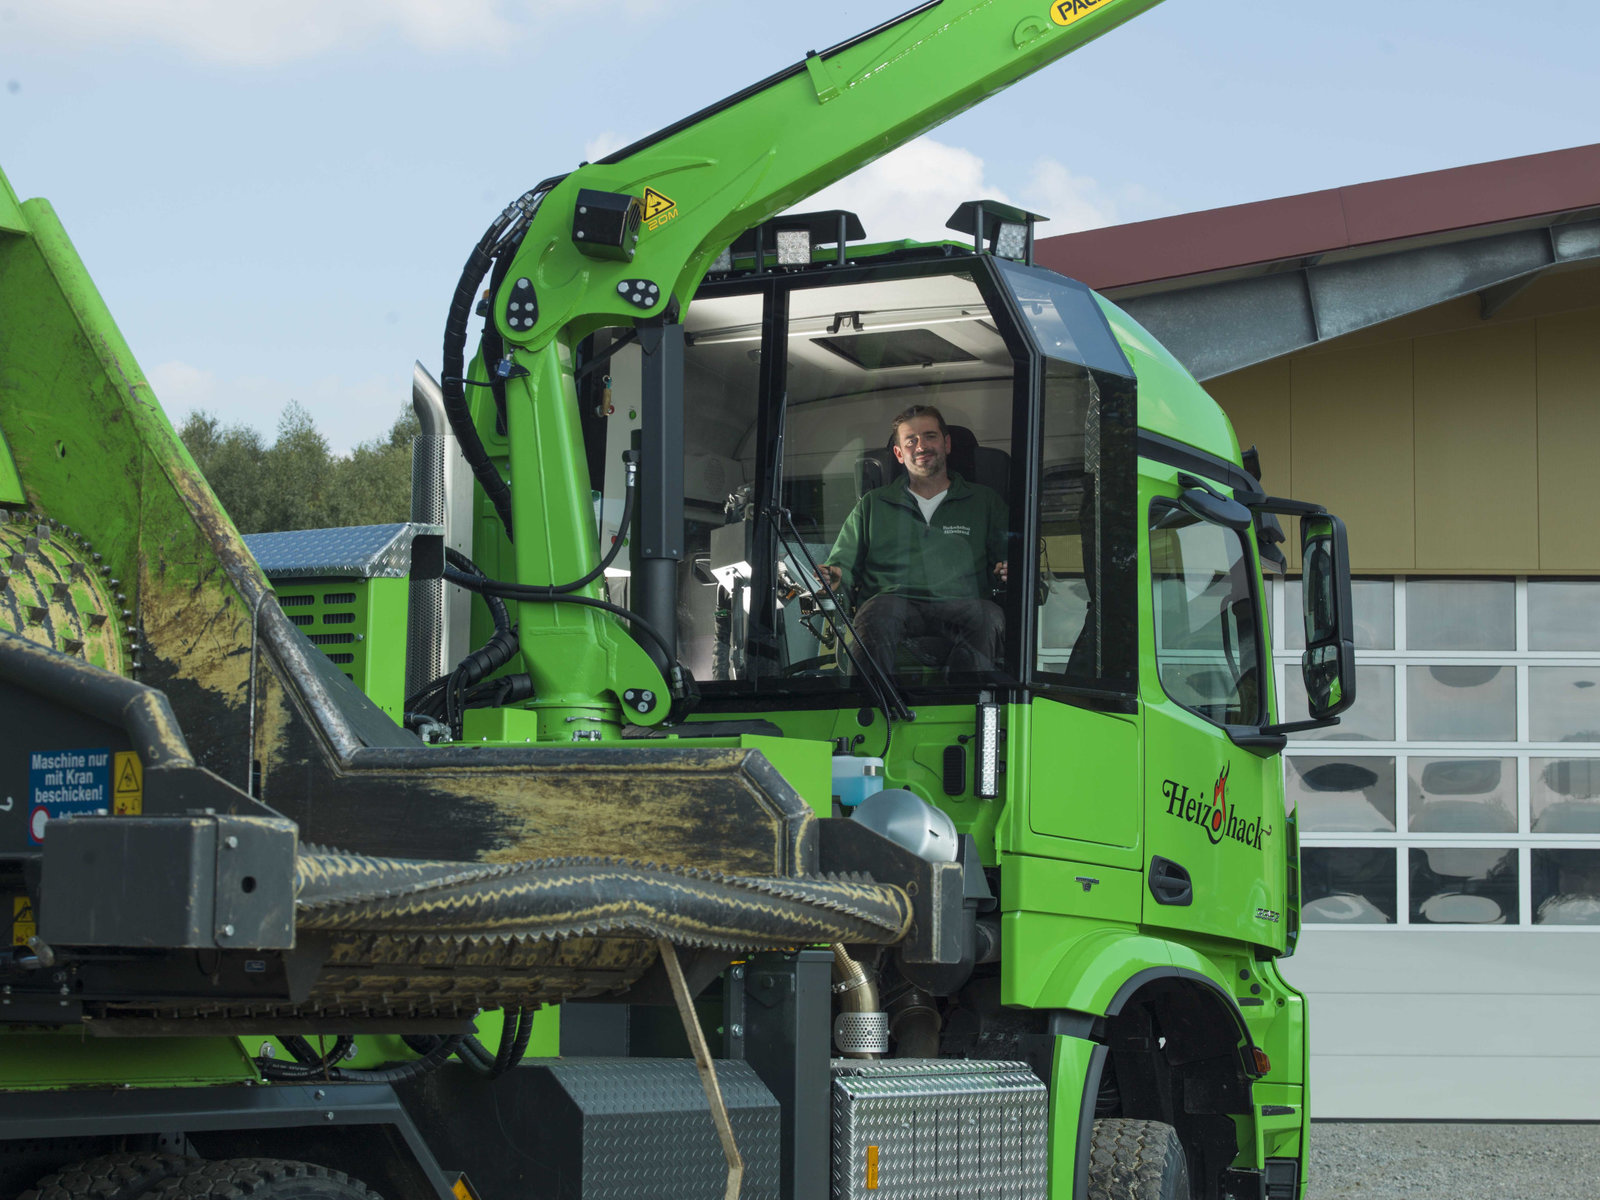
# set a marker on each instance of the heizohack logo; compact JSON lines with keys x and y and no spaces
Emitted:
{"x":1065,"y":12}
{"x":1217,"y":817}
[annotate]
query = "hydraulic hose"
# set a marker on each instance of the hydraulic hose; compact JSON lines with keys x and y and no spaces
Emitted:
{"x":309,"y":1064}
{"x":521,"y":591}
{"x":509,"y":224}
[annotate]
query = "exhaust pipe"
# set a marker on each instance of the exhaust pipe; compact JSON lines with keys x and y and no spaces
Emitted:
{"x":441,"y":494}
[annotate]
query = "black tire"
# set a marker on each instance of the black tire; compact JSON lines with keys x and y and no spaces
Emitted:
{"x":261,"y":1179}
{"x":1136,"y":1160}
{"x":110,"y":1177}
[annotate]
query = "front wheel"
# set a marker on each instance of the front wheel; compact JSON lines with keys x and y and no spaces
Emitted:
{"x":262,"y":1179}
{"x":1136,"y":1160}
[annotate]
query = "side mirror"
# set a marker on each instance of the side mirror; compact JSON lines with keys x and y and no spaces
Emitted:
{"x":1329,"y":663}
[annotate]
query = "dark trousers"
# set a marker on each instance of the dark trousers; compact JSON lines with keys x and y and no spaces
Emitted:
{"x":968,"y":634}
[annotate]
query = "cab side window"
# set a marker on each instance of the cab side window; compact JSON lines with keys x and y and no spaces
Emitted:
{"x":1207,"y":635}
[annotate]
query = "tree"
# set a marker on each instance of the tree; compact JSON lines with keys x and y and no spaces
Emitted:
{"x":297,"y":482}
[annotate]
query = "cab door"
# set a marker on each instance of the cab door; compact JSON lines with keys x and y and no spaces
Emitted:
{"x":1214,"y":821}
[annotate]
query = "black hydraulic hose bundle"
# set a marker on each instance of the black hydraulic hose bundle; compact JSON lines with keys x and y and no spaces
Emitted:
{"x":523,"y":591}
{"x":322,"y":1068}
{"x":506,"y":229}
{"x":448,"y":696}
{"x":515,"y":1032}
{"x":464,"y":573}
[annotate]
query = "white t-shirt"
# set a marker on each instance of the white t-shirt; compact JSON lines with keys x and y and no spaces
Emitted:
{"x":930,"y":505}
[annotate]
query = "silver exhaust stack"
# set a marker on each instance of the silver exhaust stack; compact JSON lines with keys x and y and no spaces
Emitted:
{"x":441,"y":494}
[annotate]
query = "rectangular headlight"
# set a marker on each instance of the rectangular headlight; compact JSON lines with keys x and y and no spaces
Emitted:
{"x":988,"y":738}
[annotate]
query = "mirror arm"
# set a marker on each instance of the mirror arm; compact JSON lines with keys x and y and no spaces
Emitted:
{"x":1262,"y":742}
{"x":1287,"y":727}
{"x":1267,"y":740}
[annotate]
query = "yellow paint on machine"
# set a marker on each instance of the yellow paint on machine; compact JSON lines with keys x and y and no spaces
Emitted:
{"x":872,"y":1168}
{"x":462,"y":1190}
{"x":127,"y":796}
{"x":1065,"y":12}
{"x":23,"y":924}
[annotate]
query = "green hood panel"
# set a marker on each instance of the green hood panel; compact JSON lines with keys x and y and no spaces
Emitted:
{"x":1171,"y":403}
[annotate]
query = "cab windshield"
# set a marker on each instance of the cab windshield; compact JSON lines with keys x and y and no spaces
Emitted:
{"x":881,"y":462}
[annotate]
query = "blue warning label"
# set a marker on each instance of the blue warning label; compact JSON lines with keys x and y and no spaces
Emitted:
{"x":63,"y":783}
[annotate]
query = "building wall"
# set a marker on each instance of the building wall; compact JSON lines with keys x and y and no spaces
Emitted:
{"x":1461,"y":1024}
{"x":1450,"y":826}
{"x":1448,"y":443}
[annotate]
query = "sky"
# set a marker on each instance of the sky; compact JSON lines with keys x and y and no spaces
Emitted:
{"x":275,"y":197}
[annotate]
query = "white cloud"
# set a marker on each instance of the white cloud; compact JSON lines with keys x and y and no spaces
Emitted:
{"x":346,"y":411}
{"x":268,"y":32}
{"x":911,"y":192}
{"x":1072,"y":202}
{"x":603,"y":144}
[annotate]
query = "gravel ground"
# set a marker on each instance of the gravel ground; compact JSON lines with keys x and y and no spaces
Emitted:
{"x":1426,"y":1161}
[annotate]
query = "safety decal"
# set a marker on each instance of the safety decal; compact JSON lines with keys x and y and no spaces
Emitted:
{"x":64,"y":783}
{"x":1065,"y":12}
{"x":128,"y":798}
{"x":658,"y":209}
{"x":23,"y":924}
{"x":461,"y":1189}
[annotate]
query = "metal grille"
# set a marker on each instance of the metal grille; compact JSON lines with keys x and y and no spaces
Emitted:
{"x":315,"y":610}
{"x":933,"y":1129}
{"x":861,"y":1033}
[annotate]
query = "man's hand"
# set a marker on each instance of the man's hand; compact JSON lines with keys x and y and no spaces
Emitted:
{"x":832,"y":576}
{"x":1001,"y":570}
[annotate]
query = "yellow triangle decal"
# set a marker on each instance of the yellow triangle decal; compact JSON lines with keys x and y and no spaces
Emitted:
{"x":655,"y":204}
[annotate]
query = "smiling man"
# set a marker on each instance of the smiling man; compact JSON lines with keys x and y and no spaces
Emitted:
{"x":921,"y":555}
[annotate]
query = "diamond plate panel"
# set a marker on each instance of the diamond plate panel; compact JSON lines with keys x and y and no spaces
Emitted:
{"x":947,"y":1128}
{"x":635,"y":1128}
{"x":360,"y":552}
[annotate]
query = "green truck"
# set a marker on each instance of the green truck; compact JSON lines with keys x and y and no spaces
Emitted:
{"x":567,"y":841}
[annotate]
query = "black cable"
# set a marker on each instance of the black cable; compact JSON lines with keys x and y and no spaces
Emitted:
{"x":398,"y":1072}
{"x":313,"y":1067}
{"x":521,"y":591}
{"x":514,"y":219}
{"x":448,"y":687}
{"x":514,"y":1047}
{"x":497,"y":609}
{"x":532,"y":591}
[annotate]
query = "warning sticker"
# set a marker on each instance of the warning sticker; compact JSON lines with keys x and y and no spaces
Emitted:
{"x":64,"y":783}
{"x":127,"y":799}
{"x":655,"y":203}
{"x":1065,"y":12}
{"x":658,"y":209}
{"x":463,"y":1190}
{"x":23,"y":924}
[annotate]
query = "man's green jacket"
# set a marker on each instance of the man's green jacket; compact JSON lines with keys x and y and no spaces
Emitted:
{"x":886,"y":546}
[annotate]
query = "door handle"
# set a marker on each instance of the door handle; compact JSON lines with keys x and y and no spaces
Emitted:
{"x":1169,"y":882}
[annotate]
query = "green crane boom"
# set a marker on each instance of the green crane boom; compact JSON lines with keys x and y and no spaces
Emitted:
{"x":700,"y":183}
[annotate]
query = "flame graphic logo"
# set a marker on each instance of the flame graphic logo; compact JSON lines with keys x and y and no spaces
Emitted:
{"x":1219,"y":805}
